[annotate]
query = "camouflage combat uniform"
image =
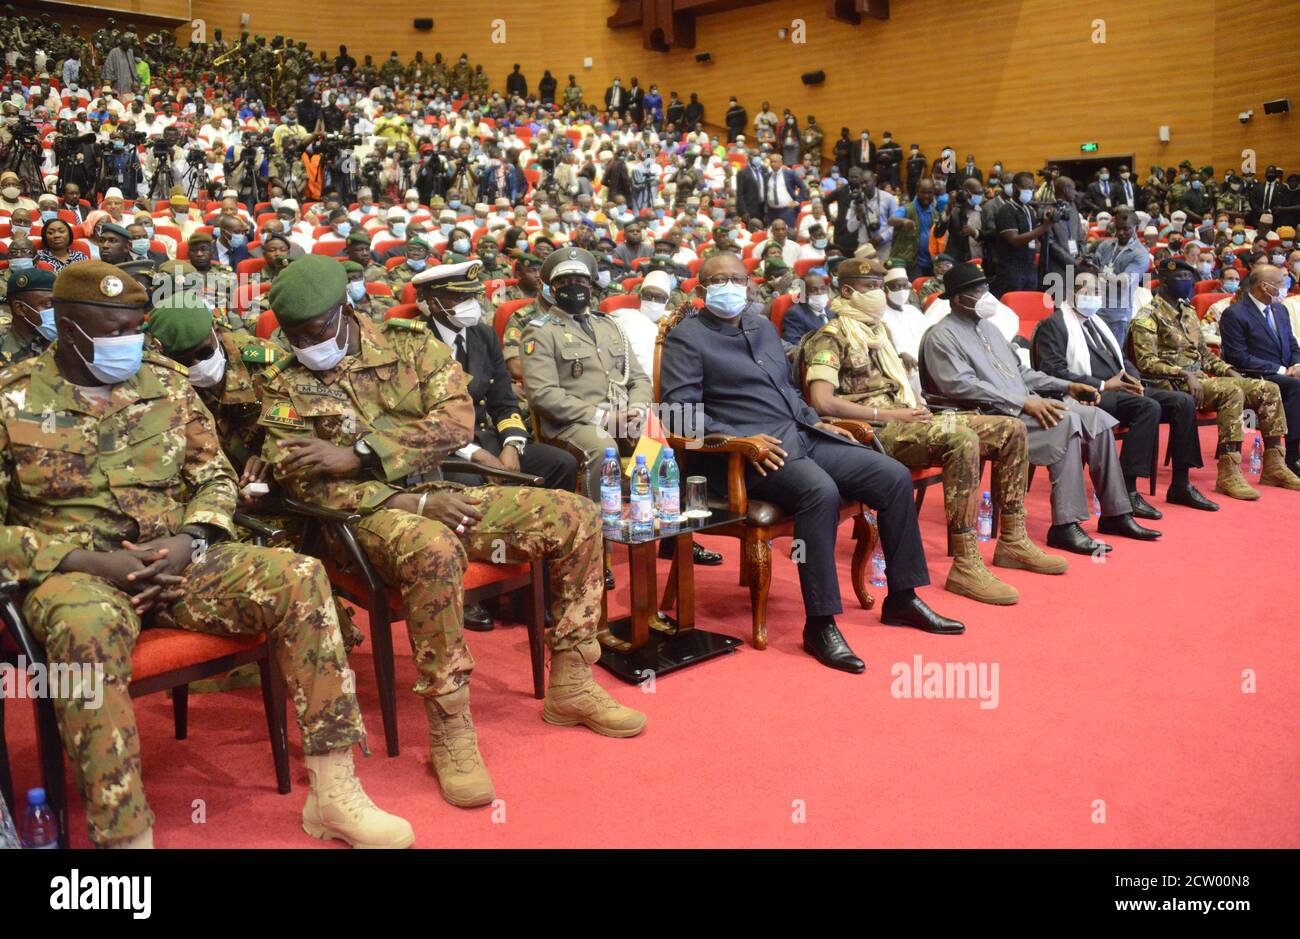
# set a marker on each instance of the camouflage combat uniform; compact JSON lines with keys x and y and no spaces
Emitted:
{"x":1167,"y":346}
{"x":13,"y":349}
{"x":399,"y":277}
{"x":955,"y":442}
{"x":80,"y":474}
{"x":406,"y":396}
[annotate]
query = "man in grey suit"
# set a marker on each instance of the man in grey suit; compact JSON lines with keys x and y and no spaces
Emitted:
{"x":1123,"y":261}
{"x":1063,"y":243}
{"x":966,"y":363}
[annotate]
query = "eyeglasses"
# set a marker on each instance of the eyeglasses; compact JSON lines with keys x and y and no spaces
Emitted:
{"x":739,"y":280}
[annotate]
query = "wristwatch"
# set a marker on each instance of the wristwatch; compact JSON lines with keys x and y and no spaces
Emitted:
{"x":518,"y":444}
{"x":365,"y":454}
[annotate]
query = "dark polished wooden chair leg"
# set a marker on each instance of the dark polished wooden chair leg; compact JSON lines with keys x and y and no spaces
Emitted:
{"x":759,"y":552}
{"x":181,"y":710}
{"x":865,"y":535}
{"x":273,"y":700}
{"x":381,"y":634}
{"x":536,"y":619}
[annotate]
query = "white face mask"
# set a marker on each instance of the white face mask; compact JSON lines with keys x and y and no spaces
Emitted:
{"x":467,"y":313}
{"x":817,"y":302}
{"x":986,"y":306}
{"x":324,"y":355}
{"x":1088,"y":304}
{"x":654,"y":309}
{"x":210,"y":371}
{"x":899,"y":297}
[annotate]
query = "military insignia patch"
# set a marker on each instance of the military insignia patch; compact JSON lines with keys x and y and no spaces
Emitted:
{"x":825,"y":358}
{"x":321,"y":391}
{"x":529,"y":346}
{"x":513,"y":334}
{"x":283,"y":415}
{"x":260,"y":355}
{"x":397,"y":322}
{"x":110,"y":286}
{"x":577,"y":368}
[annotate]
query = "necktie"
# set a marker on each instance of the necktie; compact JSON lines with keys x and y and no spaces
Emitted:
{"x":461,"y":355}
{"x":1105,"y":189}
{"x":1268,"y":315}
{"x":585,"y":322}
{"x":1268,"y":195}
{"x":1102,"y":346}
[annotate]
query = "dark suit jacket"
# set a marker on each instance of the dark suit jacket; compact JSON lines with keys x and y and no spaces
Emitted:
{"x":1096,"y":200}
{"x":1249,"y":344}
{"x":739,"y":374}
{"x":516,"y":184}
{"x":1051,"y":339}
{"x":855,"y":156}
{"x":1257,"y":192}
{"x":235,"y":255}
{"x":496,"y":409}
{"x":751,"y":189}
{"x":799,"y":321}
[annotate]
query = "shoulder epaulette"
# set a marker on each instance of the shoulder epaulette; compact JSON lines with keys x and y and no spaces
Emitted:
{"x":272,"y":371}
{"x":157,"y":358}
{"x":541,"y":319}
{"x":414,"y":326}
{"x":259,"y":353}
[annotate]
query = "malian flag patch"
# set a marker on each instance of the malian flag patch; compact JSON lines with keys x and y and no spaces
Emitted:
{"x":283,"y":415}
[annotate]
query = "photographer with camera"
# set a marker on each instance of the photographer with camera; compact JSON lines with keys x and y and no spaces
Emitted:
{"x":119,"y":163}
{"x":1063,"y":242}
{"x":1019,"y":229}
{"x":862,"y":214}
{"x":247,"y":167}
{"x":76,"y":155}
{"x":167,"y":164}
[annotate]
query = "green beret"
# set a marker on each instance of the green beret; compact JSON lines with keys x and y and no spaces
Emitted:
{"x":775,"y":264}
{"x":308,"y":287}
{"x":180,"y":323}
{"x":1185,"y":164}
{"x":417,"y":240}
{"x":487,"y":241}
{"x":352,"y":267}
{"x":99,"y":283}
{"x":360,"y":236}
{"x":29,"y":281}
{"x":200,"y":238}
{"x":529,"y":260}
{"x":113,"y":229}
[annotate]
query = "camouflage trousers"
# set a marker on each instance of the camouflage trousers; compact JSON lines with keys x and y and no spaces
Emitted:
{"x":234,"y":590}
{"x":426,"y":561}
{"x":1231,"y":396}
{"x":956,"y":442}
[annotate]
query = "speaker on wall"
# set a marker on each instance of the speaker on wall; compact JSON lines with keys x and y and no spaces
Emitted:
{"x":424,"y":24}
{"x":704,"y":57}
{"x":813,"y":78}
{"x":1277,"y":106}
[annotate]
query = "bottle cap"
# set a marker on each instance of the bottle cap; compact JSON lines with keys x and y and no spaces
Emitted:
{"x":610,"y":451}
{"x":668,"y":453}
{"x":640,"y":459}
{"x":986,"y":495}
{"x":36,"y":796}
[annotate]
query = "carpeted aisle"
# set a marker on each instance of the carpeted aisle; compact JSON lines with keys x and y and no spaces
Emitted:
{"x":1121,"y":720}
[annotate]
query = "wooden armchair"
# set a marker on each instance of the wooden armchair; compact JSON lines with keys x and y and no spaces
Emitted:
{"x":763,"y":521}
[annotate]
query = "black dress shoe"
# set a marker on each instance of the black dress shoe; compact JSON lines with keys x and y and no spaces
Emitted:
{"x":916,"y":614}
{"x":1125,"y":526}
{"x":478,"y":619}
{"x":1144,"y":509}
{"x":1191,"y":497}
{"x":609,"y":579}
{"x":827,"y":646}
{"x":701,"y":556}
{"x":1070,"y":537}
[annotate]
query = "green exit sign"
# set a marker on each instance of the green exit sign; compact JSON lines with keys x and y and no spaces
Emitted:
{"x":1088,"y":147}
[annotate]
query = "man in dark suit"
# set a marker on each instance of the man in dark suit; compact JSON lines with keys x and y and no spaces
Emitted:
{"x":782,"y":193}
{"x":1125,"y":192}
{"x":231,"y":243}
{"x":1101,"y":194}
{"x":505,"y":180}
{"x":813,"y":313}
{"x":751,"y":190}
{"x":616,"y":98}
{"x":864,"y":152}
{"x":1072,"y":344}
{"x":728,"y":361}
{"x":1266,"y":197}
{"x":1257,"y":338}
{"x":969,"y":171}
{"x":451,"y":299}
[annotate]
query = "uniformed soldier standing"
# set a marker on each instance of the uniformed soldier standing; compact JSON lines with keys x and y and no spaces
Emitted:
{"x":1168,"y":348}
{"x":360,"y":424}
{"x":32,"y":327}
{"x":117,"y":505}
{"x":583,"y":382}
{"x":853,"y":371}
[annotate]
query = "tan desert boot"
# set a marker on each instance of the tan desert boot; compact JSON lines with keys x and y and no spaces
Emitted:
{"x":1017,"y":552}
{"x":573,"y":697}
{"x":1230,"y":482}
{"x":1276,"y":472}
{"x":453,"y":751}
{"x":142,"y":841}
{"x":337,"y":806}
{"x":969,"y":577}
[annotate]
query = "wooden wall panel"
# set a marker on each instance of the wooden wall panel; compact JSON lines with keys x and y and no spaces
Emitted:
{"x":1016,"y":80}
{"x":175,"y":9}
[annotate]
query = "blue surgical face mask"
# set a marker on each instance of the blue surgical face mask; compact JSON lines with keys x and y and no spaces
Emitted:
{"x":1230,"y":286}
{"x":21,"y":264}
{"x":417,"y":264}
{"x":1196,"y":184}
{"x":1026,"y":195}
{"x":140,"y":246}
{"x":343,"y":229}
{"x":976,"y":199}
{"x":48,"y":215}
{"x":1239,"y":239}
{"x":356,"y":290}
{"x":460,"y":246}
{"x":454,"y":203}
{"x":238,"y":240}
{"x":46,"y":326}
{"x":398,"y":229}
{"x":726,"y":300}
{"x":116,"y":358}
{"x":446,"y":228}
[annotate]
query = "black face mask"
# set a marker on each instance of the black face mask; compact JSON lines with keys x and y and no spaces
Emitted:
{"x":573,"y":298}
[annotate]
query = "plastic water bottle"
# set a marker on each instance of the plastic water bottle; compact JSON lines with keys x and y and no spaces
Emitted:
{"x":1257,"y":455}
{"x":985,"y":523}
{"x":643,"y":506}
{"x":39,"y":829}
{"x":668,"y":494}
{"x":611,"y":489}
{"x":878,"y":566}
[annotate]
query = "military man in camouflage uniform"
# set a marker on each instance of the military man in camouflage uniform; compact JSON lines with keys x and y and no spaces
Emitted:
{"x":358,"y":250}
{"x":31,"y":328}
{"x":117,"y":504}
{"x":360,"y":424}
{"x":390,"y":73}
{"x":529,"y":286}
{"x":811,"y":144}
{"x":372,"y":306}
{"x":489,"y":253}
{"x":573,"y":93}
{"x":1168,"y":349}
{"x":853,"y":371}
{"x":1232,"y":200}
{"x":417,"y":259}
{"x":1181,"y":184}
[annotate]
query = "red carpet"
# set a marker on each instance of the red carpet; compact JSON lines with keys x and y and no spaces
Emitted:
{"x":1120,"y":691}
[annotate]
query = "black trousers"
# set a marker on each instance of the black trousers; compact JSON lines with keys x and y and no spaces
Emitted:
{"x":1143,"y":415}
{"x":811,"y":487}
{"x":1014,"y":275}
{"x":557,"y":468}
{"x":1290,"y":390}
